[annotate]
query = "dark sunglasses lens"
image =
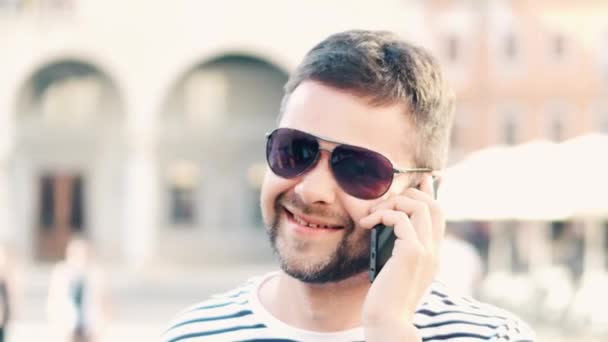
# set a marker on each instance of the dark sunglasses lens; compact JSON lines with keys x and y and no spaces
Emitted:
{"x":361,"y":173}
{"x":289,"y":152}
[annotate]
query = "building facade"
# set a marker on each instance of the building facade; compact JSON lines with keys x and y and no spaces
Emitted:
{"x":141,"y":125}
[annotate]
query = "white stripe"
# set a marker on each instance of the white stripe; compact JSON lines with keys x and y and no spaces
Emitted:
{"x":420,"y":319}
{"x":210,"y":313}
{"x":241,"y":335}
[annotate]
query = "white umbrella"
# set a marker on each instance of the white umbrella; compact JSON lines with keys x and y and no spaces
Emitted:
{"x":537,"y":190}
{"x":584,"y":160}
{"x":506,"y":183}
{"x":470,"y":189}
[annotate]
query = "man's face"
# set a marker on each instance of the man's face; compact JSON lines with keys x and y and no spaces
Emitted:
{"x":319,"y":255}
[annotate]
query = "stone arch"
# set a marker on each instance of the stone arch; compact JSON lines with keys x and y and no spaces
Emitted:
{"x":213,"y":121}
{"x":69,"y":90}
{"x":227,"y":86}
{"x":69,"y":152}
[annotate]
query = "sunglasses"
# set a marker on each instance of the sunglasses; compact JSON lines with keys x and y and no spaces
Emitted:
{"x":360,"y":172}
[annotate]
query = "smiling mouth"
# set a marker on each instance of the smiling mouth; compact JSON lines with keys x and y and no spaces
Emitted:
{"x":304,"y":223}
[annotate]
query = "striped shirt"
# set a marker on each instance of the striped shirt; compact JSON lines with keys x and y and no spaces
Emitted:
{"x":238,"y":315}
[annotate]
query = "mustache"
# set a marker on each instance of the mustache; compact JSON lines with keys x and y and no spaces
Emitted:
{"x":292,"y":200}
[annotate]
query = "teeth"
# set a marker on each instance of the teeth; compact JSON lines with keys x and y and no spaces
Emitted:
{"x":311,"y":225}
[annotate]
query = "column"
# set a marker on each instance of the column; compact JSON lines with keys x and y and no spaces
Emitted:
{"x":141,"y":188}
{"x":7,"y":127}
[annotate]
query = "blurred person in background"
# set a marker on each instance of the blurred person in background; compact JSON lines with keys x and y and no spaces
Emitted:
{"x":7,"y":292}
{"x":364,"y":125}
{"x":76,"y":299}
{"x":460,"y":266}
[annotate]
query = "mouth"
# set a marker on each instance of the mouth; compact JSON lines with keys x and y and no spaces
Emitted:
{"x":311,"y":224}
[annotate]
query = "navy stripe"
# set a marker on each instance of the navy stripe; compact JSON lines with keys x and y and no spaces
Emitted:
{"x":427,"y":312}
{"x":209,"y":319}
{"x":440,"y":324}
{"x":238,"y":294}
{"x":439,"y":294}
{"x":216,"y":306}
{"x":455,"y":335}
{"x":215,"y":332}
{"x":445,"y":296}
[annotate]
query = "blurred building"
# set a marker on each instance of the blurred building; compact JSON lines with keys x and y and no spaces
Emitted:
{"x":141,"y":124}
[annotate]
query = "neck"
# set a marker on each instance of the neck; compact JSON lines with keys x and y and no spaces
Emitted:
{"x":318,"y":307}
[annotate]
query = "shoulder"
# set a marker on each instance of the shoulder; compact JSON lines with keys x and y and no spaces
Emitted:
{"x":445,"y":315}
{"x":220,"y":314}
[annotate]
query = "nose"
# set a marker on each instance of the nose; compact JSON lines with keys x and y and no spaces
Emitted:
{"x":318,"y":186}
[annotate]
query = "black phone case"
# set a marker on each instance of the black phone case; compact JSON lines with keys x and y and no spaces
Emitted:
{"x":382,"y":242}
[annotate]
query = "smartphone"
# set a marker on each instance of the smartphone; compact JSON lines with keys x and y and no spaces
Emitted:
{"x":382,"y":243}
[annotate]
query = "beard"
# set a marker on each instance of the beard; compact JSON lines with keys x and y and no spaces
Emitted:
{"x":349,"y":258}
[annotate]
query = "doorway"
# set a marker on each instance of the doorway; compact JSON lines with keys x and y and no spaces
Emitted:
{"x":61,"y":213}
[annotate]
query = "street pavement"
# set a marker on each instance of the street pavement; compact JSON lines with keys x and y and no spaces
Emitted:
{"x":142,"y":303}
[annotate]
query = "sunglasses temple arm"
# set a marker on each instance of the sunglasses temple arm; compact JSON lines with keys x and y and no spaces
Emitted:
{"x":413,"y":170}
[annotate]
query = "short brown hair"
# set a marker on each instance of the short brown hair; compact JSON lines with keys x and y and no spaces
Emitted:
{"x":382,"y":67}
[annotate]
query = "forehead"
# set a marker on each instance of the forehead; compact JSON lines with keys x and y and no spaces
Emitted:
{"x":341,"y":116}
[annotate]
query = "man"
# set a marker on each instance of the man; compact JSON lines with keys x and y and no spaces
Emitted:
{"x":364,"y":122}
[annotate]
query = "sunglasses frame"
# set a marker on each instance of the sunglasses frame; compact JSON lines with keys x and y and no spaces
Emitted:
{"x":339,"y":143}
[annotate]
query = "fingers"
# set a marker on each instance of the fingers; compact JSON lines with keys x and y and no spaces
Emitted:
{"x":421,"y":208}
{"x":399,"y":220}
{"x":426,"y":195}
{"x":418,"y":224}
{"x":418,"y":208}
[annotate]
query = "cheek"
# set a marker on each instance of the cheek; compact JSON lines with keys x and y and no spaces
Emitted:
{"x":272,"y":187}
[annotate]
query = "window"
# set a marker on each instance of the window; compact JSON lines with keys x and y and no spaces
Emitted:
{"x":556,"y":122}
{"x":509,"y":129}
{"x":452,"y":48}
{"x":510,"y":47}
{"x":77,"y":199}
{"x":558,"y":47}
{"x":458,"y":135}
{"x":183,"y":206}
{"x":601,"y":120}
{"x":47,"y":202}
{"x":556,"y":127}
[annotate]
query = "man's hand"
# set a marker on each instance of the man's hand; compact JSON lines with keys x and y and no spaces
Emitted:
{"x":398,"y":289}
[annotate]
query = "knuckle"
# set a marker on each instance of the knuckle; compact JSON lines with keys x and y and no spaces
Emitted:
{"x":402,"y":216}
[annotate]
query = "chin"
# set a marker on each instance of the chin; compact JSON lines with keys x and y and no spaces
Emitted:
{"x":334,"y":267}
